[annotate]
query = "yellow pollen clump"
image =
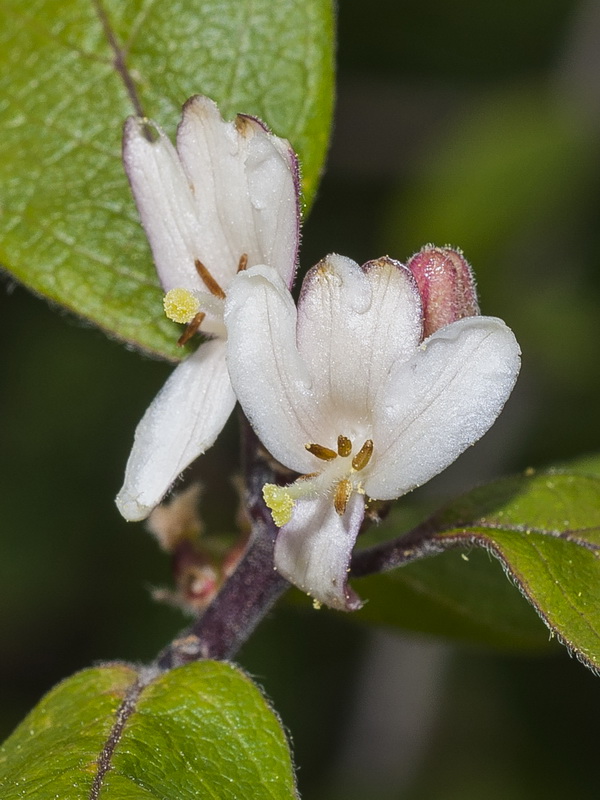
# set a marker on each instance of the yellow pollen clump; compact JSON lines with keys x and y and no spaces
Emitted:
{"x":279,"y":500}
{"x":180,"y":305}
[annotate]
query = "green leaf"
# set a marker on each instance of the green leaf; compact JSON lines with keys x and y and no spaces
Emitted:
{"x":586,"y":465}
{"x":544,"y":529}
{"x":70,"y":229}
{"x":460,"y":595}
{"x":199,"y":731}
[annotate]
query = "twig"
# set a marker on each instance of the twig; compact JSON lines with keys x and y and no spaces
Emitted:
{"x":248,"y":595}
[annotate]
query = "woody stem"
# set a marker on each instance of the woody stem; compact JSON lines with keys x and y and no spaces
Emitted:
{"x":250,"y":592}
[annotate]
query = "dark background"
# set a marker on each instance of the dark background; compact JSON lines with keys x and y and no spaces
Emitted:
{"x":468,"y":123}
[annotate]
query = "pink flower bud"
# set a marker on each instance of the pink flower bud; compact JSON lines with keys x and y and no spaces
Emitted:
{"x":446,"y":285}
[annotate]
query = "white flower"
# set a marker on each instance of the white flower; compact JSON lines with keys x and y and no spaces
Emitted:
{"x":345,"y":392}
{"x":226,"y":198}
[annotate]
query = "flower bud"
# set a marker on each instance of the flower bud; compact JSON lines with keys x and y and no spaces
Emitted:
{"x":446,"y":285}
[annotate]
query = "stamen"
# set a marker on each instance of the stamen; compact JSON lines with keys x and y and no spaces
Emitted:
{"x":344,"y":446}
{"x":180,"y":305}
{"x":210,"y":283}
{"x":191,"y":329}
{"x":362,"y":458}
{"x":343,"y":492}
{"x":281,"y":503}
{"x":243,"y":262}
{"x":324,"y":453}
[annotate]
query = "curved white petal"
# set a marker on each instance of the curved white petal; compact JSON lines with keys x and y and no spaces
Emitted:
{"x":245,"y":184}
{"x":440,"y":402}
{"x":354,"y":323}
{"x":313,"y":550}
{"x":183,"y":420}
{"x":165,"y":203}
{"x":268,"y":376}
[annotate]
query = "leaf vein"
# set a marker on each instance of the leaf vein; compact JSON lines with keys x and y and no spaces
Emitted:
{"x":119,"y":58}
{"x":124,"y":711}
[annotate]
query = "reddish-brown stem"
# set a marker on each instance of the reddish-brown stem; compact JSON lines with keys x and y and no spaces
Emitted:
{"x":250,"y":592}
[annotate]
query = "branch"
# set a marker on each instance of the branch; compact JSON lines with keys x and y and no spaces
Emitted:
{"x":248,"y":595}
{"x":417,"y":543}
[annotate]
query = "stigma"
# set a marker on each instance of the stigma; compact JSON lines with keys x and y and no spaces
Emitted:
{"x":180,"y":305}
{"x":339,"y":478}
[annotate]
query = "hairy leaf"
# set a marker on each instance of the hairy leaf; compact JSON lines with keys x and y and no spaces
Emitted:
{"x":203,"y":730}
{"x":71,"y":71}
{"x":544,"y":528}
{"x":462,"y":595}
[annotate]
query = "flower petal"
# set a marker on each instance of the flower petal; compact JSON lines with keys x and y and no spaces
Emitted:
{"x":354,"y":323}
{"x":183,"y":420}
{"x":245,"y":184}
{"x":313,"y":550}
{"x":165,"y":203}
{"x":440,"y":402}
{"x":267,"y":373}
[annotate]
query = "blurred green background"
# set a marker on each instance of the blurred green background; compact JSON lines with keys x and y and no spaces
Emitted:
{"x":469,"y":123}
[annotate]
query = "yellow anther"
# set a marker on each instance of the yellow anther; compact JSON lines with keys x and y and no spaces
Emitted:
{"x":324,"y":453}
{"x":342,"y":494}
{"x":210,"y":283}
{"x":180,"y":305}
{"x":279,"y":500}
{"x":344,"y":446}
{"x":362,"y":458}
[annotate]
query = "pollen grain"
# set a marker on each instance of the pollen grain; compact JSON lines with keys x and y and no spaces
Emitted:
{"x":180,"y":305}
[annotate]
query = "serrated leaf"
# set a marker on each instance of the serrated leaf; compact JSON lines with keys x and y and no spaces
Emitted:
{"x":544,"y":528}
{"x":71,"y":71}
{"x":199,"y":731}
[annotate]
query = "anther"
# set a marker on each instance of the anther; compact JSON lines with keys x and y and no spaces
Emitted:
{"x":191,"y":329}
{"x":243,"y":262}
{"x":210,"y":283}
{"x":343,"y":492}
{"x":344,"y":446}
{"x":362,"y":458}
{"x":324,"y":453}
